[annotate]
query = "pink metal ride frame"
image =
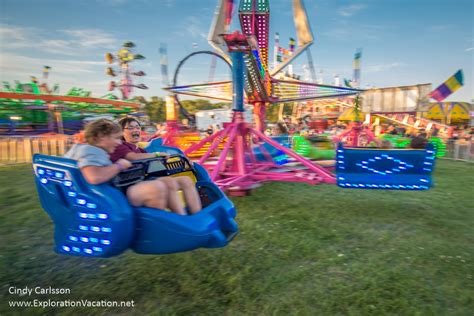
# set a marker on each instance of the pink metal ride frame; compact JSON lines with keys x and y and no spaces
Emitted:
{"x":241,"y":171}
{"x":354,"y":133}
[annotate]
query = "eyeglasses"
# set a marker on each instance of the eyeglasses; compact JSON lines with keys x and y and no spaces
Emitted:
{"x":131,"y":128}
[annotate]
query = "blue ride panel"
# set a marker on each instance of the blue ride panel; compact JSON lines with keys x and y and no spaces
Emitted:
{"x":394,"y":169}
{"x":97,"y":220}
{"x":213,"y":227}
{"x":89,"y":220}
{"x":278,"y":156}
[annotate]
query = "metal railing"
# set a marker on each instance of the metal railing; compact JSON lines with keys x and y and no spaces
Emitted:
{"x":460,"y":150}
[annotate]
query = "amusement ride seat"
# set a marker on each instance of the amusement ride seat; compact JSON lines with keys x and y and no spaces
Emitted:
{"x":98,"y":221}
{"x":394,"y":169}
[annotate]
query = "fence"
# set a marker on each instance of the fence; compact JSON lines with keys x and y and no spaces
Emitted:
{"x":14,"y":150}
{"x":460,"y":150}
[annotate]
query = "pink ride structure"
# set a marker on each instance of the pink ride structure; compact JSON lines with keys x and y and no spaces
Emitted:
{"x":242,"y":172}
{"x":237,"y":169}
{"x":357,"y":135}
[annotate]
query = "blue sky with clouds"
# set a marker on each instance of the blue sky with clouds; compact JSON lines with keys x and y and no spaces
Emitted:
{"x":404,"y":42}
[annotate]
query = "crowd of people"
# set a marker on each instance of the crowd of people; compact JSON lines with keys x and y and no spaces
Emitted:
{"x":106,"y":148}
{"x":418,"y":136}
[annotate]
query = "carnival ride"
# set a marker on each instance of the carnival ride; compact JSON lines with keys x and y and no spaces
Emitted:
{"x":248,"y":52}
{"x":356,"y":135}
{"x":98,"y":221}
{"x":125,"y":56}
{"x":314,"y":147}
{"x":243,"y":172}
{"x":387,"y":169}
{"x":375,"y":168}
{"x":398,"y":141}
{"x":177,"y":135}
{"x":34,"y":108}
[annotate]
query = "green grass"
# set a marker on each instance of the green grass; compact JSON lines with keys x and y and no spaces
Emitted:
{"x":307,"y":250}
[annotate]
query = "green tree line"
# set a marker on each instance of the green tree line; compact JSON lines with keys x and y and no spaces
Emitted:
{"x":155,"y":108}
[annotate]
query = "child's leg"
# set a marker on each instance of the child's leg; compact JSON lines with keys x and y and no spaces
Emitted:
{"x":149,"y":194}
{"x":191,"y":195}
{"x":174,"y":201}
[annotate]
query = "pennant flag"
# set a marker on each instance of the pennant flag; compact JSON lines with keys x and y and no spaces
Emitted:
{"x":292,"y":44}
{"x":347,"y":82}
{"x":357,"y":57}
{"x":356,"y":66}
{"x":448,"y":87}
{"x":46,"y":71}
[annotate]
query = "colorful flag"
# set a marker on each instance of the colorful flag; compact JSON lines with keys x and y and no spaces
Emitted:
{"x":356,"y":66}
{"x":46,"y":72}
{"x":448,"y":87}
{"x":292,"y":44}
{"x":276,"y":50}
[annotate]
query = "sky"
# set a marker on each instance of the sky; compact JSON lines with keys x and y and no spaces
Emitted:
{"x":404,"y":42}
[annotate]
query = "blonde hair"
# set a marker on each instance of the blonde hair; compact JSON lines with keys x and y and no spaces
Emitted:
{"x":98,"y":128}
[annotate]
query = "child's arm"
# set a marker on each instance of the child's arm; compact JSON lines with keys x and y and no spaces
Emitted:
{"x":137,"y":156}
{"x":98,"y":175}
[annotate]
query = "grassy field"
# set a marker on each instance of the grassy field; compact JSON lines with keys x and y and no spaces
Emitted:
{"x":306,"y":250}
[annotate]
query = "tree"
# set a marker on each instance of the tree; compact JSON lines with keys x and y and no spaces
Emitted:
{"x":155,"y":109}
{"x":193,"y":106}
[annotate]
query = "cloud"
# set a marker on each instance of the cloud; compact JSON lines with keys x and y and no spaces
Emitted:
{"x":16,"y":37}
{"x":57,"y":47}
{"x":469,"y":49}
{"x":350,"y":10}
{"x":193,"y":26}
{"x":369,"y":32}
{"x":74,"y":42}
{"x":440,"y":28}
{"x":113,"y":3}
{"x":170,"y":3}
{"x":69,"y":73}
{"x":382,"y":67}
{"x":92,"y":38}
{"x":83,"y":73}
{"x":17,"y":66}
